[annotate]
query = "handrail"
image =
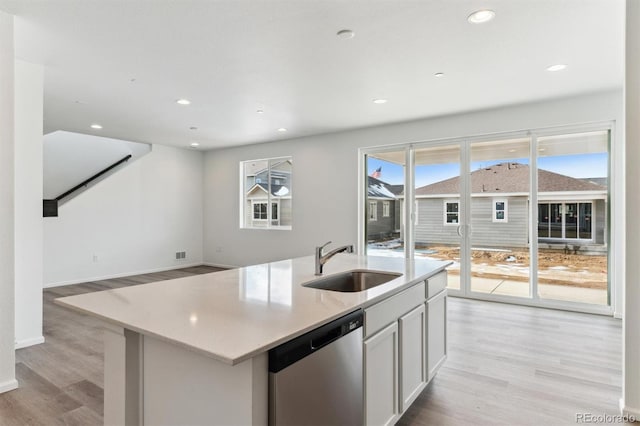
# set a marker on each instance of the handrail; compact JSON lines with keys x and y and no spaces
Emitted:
{"x":92,"y":178}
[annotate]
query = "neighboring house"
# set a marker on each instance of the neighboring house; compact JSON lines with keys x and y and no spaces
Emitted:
{"x":257,"y":195}
{"x":383,"y":209}
{"x":570,"y":211}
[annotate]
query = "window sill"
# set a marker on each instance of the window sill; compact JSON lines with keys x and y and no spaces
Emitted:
{"x":268,"y":228}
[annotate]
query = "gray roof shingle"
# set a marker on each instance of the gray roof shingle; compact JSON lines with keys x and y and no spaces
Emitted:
{"x":510,"y":178}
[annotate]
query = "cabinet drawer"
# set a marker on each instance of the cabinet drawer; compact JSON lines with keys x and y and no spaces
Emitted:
{"x":384,"y":313}
{"x":436,"y":284}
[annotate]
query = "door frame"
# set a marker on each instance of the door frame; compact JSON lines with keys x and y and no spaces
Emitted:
{"x":615,"y":272}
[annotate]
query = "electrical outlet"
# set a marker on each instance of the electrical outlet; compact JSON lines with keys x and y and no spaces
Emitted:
{"x":177,"y":255}
{"x":95,"y":258}
{"x":183,"y":255}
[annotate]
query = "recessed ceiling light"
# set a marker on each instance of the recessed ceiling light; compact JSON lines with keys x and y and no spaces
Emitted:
{"x":346,"y":34}
{"x":379,"y":101}
{"x":194,"y":144}
{"x":512,"y":150}
{"x":260,"y":111}
{"x":96,"y":126}
{"x":541,"y":149}
{"x":183,"y":101}
{"x":439,"y":74}
{"x":481,"y":16}
{"x":556,"y":67}
{"x":282,"y":129}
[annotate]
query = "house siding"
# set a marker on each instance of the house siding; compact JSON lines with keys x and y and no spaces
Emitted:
{"x":487,"y":233}
{"x":384,"y":226}
{"x":430,"y":228}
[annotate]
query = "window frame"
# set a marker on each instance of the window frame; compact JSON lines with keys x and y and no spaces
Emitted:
{"x":248,"y":219}
{"x":445,"y":212}
{"x":254,"y":203}
{"x":495,"y":210}
{"x":386,"y":209}
{"x":373,"y":211}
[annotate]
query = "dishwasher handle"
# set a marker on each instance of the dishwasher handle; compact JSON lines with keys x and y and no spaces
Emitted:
{"x":297,"y":348}
{"x":326,"y":338}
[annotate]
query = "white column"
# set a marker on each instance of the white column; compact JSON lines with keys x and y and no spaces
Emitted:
{"x":28,"y":203}
{"x":630,"y":403}
{"x":7,"y":320}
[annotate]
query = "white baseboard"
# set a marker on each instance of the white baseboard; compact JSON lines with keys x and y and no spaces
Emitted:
{"x":629,"y":411}
{"x":220,"y":265}
{"x":120,"y":275}
{"x":29,"y":342}
{"x":8,"y":385}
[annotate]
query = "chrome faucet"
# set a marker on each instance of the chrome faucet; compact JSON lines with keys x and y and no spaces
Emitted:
{"x":321,"y":259}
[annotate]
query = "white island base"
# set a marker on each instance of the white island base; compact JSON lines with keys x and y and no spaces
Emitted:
{"x":148,"y":381}
{"x":194,"y":350}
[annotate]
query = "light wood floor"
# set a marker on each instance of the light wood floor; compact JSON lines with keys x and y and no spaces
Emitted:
{"x":507,"y":365}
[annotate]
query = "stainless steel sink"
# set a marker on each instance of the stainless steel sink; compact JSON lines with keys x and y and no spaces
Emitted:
{"x":351,"y":281}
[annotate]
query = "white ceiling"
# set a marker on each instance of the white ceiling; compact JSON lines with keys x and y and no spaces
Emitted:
{"x":233,"y":57}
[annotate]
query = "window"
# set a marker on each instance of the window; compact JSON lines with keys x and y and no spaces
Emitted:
{"x":500,"y":210}
{"x":266,"y":183}
{"x":373,"y":210}
{"x":259,"y":211}
{"x":386,"y":207}
{"x":568,"y":221}
{"x":451,"y":212}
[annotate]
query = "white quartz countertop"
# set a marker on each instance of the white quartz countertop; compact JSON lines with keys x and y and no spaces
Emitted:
{"x":236,"y":314}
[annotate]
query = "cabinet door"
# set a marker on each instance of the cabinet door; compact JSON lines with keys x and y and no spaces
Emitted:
{"x":436,"y":332}
{"x":413,"y":371}
{"x":381,"y":377}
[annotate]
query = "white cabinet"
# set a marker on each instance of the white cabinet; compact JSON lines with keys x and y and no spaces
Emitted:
{"x":413,"y":371}
{"x":436,"y":332}
{"x":405,"y":345}
{"x":381,"y":376}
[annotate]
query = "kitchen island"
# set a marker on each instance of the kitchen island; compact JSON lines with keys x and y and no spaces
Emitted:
{"x":194,"y":350}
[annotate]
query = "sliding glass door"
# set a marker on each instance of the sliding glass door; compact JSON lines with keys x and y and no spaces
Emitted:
{"x":438,"y":212}
{"x":499,"y":188}
{"x":523,"y":217}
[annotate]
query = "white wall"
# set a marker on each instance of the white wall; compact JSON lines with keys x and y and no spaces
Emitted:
{"x":70,"y":158}
{"x":630,"y":402}
{"x":132,"y":222}
{"x":7,"y":289}
{"x":28,"y":203}
{"x":325,"y":175}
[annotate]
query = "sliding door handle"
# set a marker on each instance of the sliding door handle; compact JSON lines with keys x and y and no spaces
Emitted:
{"x":459,"y":230}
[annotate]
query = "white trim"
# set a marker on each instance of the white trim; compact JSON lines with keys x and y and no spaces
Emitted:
{"x":120,"y":275}
{"x":386,"y":208}
{"x":9,"y":385}
{"x":572,"y":195}
{"x":495,"y":210}
{"x":629,"y":411}
{"x":372,"y":217}
{"x":259,"y":201}
{"x":381,"y":198}
{"x":563,"y":305}
{"x":29,"y":342}
{"x":444,"y":212}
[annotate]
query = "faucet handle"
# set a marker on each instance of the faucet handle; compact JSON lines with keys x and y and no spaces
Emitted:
{"x":323,"y":246}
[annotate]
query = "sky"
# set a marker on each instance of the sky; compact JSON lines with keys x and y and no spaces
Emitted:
{"x":578,"y":166}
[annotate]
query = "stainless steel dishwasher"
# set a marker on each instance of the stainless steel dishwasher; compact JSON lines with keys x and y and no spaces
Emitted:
{"x":316,"y":379}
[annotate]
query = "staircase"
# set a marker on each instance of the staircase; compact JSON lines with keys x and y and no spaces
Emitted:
{"x":74,"y":162}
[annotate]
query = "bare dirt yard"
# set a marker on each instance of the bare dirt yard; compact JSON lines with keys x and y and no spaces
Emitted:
{"x":554,"y":266}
